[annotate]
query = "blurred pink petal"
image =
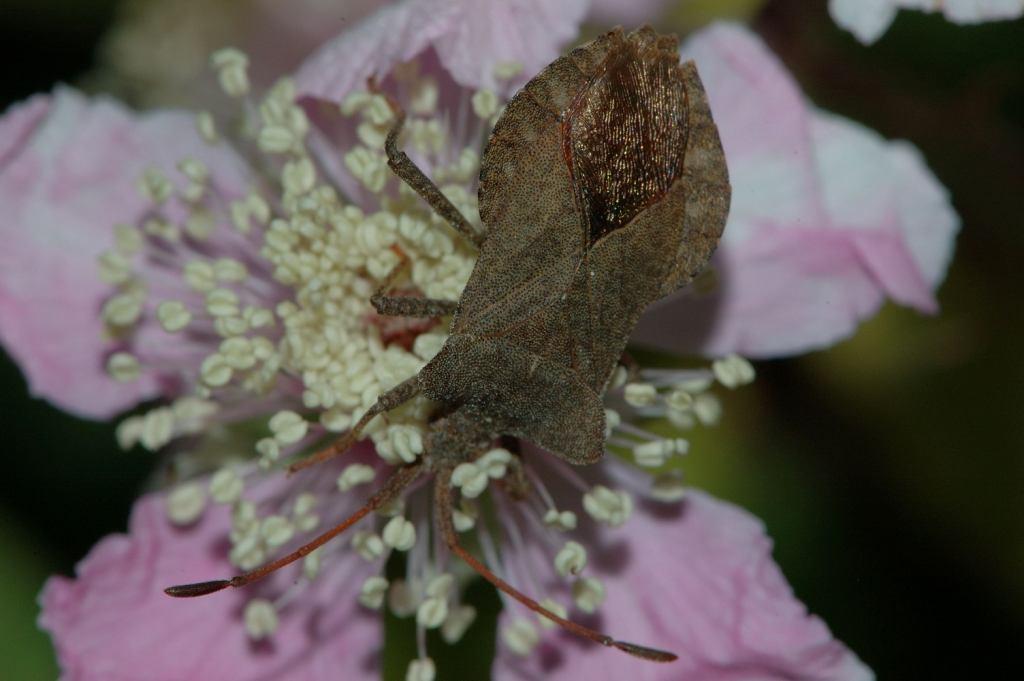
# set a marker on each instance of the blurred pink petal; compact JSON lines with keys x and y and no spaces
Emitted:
{"x":827,"y":220}
{"x":68,"y":173}
{"x":114,"y":623}
{"x":470,"y":38}
{"x":697,"y":580}
{"x":869,"y":19}
{"x":628,"y":13}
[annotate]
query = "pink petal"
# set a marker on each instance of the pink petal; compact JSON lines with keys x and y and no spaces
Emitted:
{"x":828,"y":219}
{"x":976,"y":11}
{"x":700,"y":583}
{"x":114,"y":623}
{"x":470,"y":37}
{"x":869,"y":19}
{"x":68,"y":171}
{"x":866,"y":19}
{"x":629,"y":14}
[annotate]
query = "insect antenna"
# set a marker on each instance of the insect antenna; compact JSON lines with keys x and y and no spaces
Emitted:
{"x":401,"y":393}
{"x":339,"y":446}
{"x":443,"y":502}
{"x":398,"y":481}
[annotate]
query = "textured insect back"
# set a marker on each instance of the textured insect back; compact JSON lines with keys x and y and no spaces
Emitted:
{"x":527,"y":200}
{"x":625,"y":135}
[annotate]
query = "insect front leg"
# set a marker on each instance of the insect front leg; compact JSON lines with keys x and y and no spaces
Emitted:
{"x":410,"y":173}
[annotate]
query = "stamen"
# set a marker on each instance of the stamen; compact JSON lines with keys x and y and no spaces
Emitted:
{"x":465,"y":516}
{"x":460,"y":618}
{"x":607,"y":506}
{"x":173,"y":316}
{"x":470,"y":479}
{"x":733,"y":371}
{"x":485,"y":103}
{"x":640,"y":394}
{"x":368,"y":545}
{"x":564,"y":521}
{"x":206,"y":127}
{"x":555,"y":607}
{"x":668,"y":487}
{"x":402,"y":598}
{"x":185,"y":503}
{"x":655,"y":454}
{"x":355,"y":474}
{"x":571,"y":559}
{"x":232,"y":71}
{"x":123,"y":367}
{"x":507,"y":70}
{"x":276,"y":531}
{"x":421,"y":669}
{"x":123,"y":310}
{"x":226,"y":486}
{"x":588,"y":594}
{"x":520,"y":636}
{"x":311,"y":565}
{"x":373,"y":591}
{"x":260,"y":619}
{"x":432,"y":612}
{"x":288,"y":427}
{"x":707,"y":409}
{"x":157,"y":428}
{"x":399,"y":534}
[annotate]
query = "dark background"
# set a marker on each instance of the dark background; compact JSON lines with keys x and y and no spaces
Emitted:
{"x":889,"y":469}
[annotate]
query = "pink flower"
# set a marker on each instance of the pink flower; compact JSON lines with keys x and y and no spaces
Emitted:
{"x":68,"y":176}
{"x":113,"y":622}
{"x":869,"y":19}
{"x":630,"y":13}
{"x":827,"y":219}
{"x":239,"y":290}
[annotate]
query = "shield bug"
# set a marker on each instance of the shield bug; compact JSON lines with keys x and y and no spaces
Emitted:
{"x":603,"y":187}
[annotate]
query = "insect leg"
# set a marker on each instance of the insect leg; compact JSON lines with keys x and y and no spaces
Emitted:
{"x":400,"y":394}
{"x":408,"y":306}
{"x":410,"y":173}
{"x":398,"y":481}
{"x":443,"y":503}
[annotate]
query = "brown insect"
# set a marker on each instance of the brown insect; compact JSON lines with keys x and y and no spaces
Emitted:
{"x":603,"y":187}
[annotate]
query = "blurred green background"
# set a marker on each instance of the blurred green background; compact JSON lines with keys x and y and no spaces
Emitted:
{"x":889,"y":469}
